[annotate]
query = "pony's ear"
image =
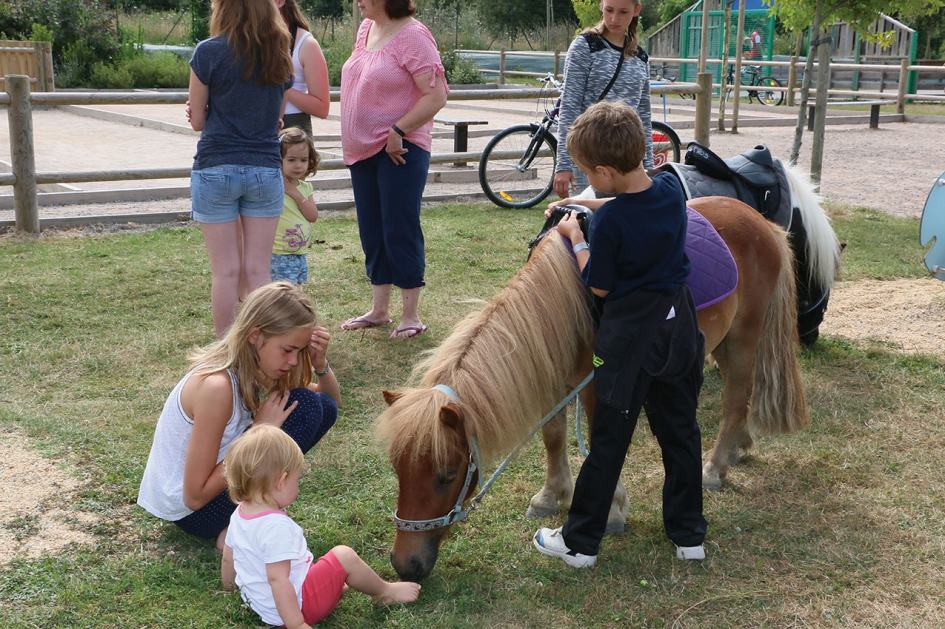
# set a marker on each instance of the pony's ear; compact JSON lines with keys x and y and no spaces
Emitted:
{"x":390,"y":396}
{"x":451,"y":417}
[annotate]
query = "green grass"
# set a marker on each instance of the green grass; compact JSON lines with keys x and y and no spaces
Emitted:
{"x":837,"y":526}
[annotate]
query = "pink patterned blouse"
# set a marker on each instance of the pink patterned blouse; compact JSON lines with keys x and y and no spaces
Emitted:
{"x":378,"y":88}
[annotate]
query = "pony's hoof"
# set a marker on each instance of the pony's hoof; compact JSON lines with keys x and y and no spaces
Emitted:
{"x":540,"y":512}
{"x":711,"y":479}
{"x":615,"y":528}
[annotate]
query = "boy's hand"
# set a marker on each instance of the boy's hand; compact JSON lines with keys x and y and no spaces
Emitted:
{"x":570,"y":228}
{"x":561,"y":203}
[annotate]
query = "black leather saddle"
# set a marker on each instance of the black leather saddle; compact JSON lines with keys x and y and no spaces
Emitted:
{"x":758,"y":179}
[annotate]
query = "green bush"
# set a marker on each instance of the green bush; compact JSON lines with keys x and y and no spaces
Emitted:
{"x":69,"y":23}
{"x":336,"y":52}
{"x":142,"y":71}
{"x":459,"y":69}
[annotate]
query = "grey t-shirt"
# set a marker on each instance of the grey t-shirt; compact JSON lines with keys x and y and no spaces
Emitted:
{"x":243,"y":117}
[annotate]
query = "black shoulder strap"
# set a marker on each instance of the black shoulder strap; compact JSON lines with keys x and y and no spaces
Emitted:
{"x":613,"y":79}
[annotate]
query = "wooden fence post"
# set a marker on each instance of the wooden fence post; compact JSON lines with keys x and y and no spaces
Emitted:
{"x":903,"y":85}
{"x":703,"y":108}
{"x":502,"y":66}
{"x":45,"y":75}
{"x":20,"y":118}
{"x":791,"y":81}
{"x":557,"y":62}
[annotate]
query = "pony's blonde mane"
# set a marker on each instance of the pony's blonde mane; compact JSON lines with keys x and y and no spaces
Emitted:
{"x":509,"y":363}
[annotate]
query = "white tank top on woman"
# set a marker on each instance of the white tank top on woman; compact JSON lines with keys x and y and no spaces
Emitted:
{"x":162,"y":487}
{"x":299,"y":83}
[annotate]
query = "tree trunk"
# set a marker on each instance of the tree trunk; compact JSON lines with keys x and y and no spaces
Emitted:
{"x":820,"y":113}
{"x":805,"y":90}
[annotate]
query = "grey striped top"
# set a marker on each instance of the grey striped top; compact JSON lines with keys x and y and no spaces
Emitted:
{"x":588,"y":68}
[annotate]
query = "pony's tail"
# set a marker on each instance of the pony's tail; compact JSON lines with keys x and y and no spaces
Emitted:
{"x":778,"y":401}
{"x":823,"y":247}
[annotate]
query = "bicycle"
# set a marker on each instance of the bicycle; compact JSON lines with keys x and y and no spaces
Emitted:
{"x":517,"y":167}
{"x":751,"y":77}
{"x":659,"y":75}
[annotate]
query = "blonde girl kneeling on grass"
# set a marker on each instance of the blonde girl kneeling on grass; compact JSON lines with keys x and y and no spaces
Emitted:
{"x":295,"y":233}
{"x":266,"y":554}
{"x":273,"y":347}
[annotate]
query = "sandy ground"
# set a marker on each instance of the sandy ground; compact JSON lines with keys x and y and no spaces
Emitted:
{"x":890,"y":169}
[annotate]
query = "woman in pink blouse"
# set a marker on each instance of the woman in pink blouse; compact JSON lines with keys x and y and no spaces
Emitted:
{"x":391,"y":87}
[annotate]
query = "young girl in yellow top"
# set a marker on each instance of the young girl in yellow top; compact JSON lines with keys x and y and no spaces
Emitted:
{"x":295,"y":232}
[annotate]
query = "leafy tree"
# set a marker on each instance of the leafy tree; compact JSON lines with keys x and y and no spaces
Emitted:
{"x":509,"y":18}
{"x":330,"y":9}
{"x":931,"y":31}
{"x":200,"y":20}
{"x":73,"y":24}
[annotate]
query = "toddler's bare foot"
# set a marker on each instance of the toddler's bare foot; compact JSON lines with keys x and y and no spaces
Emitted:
{"x":400,"y":592}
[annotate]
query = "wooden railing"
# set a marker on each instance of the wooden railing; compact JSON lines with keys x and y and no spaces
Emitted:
{"x":902,"y":74}
{"x":25,"y":179}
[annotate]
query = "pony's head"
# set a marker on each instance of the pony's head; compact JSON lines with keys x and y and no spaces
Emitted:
{"x":426,"y":436}
{"x":484,"y":388}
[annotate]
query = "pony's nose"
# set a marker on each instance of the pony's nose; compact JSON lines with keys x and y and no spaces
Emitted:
{"x":414,"y":569}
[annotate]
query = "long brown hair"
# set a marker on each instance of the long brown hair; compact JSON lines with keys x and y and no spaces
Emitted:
{"x":257,"y":34}
{"x":632,"y":41}
{"x":274,"y":310}
{"x":292,"y":16}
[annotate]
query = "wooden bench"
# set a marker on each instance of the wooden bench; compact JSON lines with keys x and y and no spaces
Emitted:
{"x":874,"y":106}
{"x":460,"y":134}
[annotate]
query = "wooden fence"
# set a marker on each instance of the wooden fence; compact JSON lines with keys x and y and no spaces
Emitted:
{"x":24,"y":178}
{"x":32,"y":59}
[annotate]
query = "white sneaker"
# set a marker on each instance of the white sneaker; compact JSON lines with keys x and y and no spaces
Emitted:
{"x":551,"y":542}
{"x":690,"y":553}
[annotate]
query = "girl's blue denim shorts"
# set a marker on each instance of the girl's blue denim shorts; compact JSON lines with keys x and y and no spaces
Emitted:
{"x":221,"y":194}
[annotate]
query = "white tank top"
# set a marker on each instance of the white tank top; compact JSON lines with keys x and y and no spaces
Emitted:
{"x":299,"y":83}
{"x":162,"y":487}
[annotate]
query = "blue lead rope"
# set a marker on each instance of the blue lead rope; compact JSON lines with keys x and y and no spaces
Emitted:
{"x":477,"y":499}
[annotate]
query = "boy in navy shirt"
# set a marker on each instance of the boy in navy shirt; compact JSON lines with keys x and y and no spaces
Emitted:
{"x":649,"y":351}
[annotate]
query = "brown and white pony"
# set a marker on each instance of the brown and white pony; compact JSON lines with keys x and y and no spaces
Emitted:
{"x":510,"y":363}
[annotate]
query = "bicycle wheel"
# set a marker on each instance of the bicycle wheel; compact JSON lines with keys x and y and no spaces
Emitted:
{"x":517,"y":167}
{"x":665,"y":144}
{"x":768,"y":97}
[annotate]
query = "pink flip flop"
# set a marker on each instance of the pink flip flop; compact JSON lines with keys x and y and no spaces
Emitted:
{"x":362,"y":323}
{"x":400,"y":333}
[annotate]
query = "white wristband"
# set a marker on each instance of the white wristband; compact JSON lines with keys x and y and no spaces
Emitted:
{"x":581,"y":246}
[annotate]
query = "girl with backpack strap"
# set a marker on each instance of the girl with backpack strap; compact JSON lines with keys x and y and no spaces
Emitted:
{"x":604,"y":62}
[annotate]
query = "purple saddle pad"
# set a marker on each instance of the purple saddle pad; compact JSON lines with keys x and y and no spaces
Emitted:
{"x":714,"y":275}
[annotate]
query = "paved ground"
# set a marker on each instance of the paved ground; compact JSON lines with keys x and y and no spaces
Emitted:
{"x":891,"y":168}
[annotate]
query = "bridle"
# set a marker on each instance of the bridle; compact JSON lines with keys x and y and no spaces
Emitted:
{"x":459,"y":513}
